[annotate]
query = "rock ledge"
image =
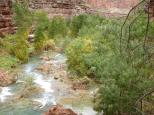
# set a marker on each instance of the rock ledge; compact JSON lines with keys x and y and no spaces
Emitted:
{"x":59,"y":110}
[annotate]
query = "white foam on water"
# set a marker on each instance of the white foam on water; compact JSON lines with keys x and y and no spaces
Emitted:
{"x":89,"y":111}
{"x":28,"y":68}
{"x":5,"y":93}
{"x":44,"y":84}
{"x":59,"y":58}
{"x":44,"y":101}
{"x":84,"y":111}
{"x":20,"y":81}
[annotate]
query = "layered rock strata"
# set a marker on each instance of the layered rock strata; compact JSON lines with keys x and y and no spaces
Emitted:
{"x":69,"y":8}
{"x":111,"y":7}
{"x":66,"y":8}
{"x":6,"y":25}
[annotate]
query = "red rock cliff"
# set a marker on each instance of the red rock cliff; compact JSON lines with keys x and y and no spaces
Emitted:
{"x":124,"y":4}
{"x":113,"y":7}
{"x":66,"y":8}
{"x":6,"y":25}
{"x":73,"y":7}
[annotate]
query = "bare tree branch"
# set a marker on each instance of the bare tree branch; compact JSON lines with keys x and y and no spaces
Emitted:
{"x":126,"y":21}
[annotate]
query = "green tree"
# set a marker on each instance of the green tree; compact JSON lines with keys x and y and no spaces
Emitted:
{"x":57,"y":27}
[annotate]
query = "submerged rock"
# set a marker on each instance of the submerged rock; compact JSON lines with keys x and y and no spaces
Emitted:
{"x":81,"y":84}
{"x":45,"y":68}
{"x":57,"y":49}
{"x":6,"y":79}
{"x":59,"y":110}
{"x":56,"y":78}
{"x":45,"y":58}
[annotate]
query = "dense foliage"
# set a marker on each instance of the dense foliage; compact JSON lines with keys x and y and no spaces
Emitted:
{"x":41,"y":37}
{"x":57,"y":27}
{"x":124,"y":76}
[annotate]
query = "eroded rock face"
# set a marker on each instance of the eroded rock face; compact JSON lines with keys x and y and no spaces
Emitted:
{"x":6,"y":79}
{"x":123,"y":4}
{"x":69,"y":8}
{"x":59,"y":110}
{"x":66,"y":8}
{"x":112,"y":7}
{"x":6,"y":25}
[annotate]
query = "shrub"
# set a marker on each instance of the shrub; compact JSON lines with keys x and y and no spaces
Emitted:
{"x":39,"y":41}
{"x":83,"y":62}
{"x":76,"y":53}
{"x":20,"y":50}
{"x":23,"y":17}
{"x":122,"y":86}
{"x":63,"y":42}
{"x":84,"y":20}
{"x":17,"y":46}
{"x":43,"y":43}
{"x":77,"y":23}
{"x":41,"y":19}
{"x":7,"y":43}
{"x":6,"y":62}
{"x":57,"y":27}
{"x":41,"y":24}
{"x":49,"y":44}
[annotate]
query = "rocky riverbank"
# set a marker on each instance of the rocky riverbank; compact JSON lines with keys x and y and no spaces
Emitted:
{"x":6,"y":78}
{"x":59,"y":110}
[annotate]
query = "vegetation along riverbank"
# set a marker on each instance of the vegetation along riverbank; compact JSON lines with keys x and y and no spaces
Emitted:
{"x":89,"y":63}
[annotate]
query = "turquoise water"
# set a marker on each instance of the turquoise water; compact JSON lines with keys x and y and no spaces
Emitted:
{"x":52,"y":91}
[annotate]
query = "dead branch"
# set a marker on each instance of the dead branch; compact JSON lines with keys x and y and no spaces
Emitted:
{"x":145,"y":95}
{"x":126,"y":21}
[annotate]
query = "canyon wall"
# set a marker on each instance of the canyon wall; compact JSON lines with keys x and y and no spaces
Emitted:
{"x":122,"y":4}
{"x":69,"y":8}
{"x":6,"y":25}
{"x":112,"y":7}
{"x":66,"y":8}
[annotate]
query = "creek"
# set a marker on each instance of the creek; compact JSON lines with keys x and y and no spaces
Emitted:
{"x":51,"y":89}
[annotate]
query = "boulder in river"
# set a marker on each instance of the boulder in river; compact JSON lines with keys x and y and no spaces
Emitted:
{"x":59,"y":110}
{"x":6,"y":79}
{"x":45,"y":68}
{"x":45,"y":58}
